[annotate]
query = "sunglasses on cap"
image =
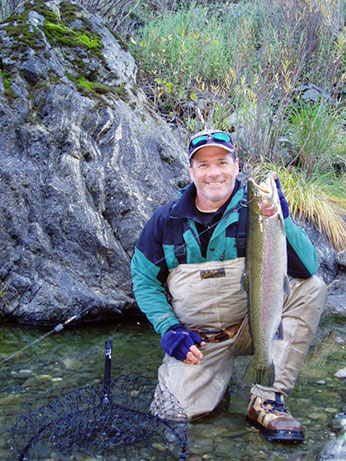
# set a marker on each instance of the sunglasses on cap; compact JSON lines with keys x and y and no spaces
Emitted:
{"x":219,"y":137}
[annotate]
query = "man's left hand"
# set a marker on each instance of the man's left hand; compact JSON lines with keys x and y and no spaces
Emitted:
{"x":268,"y":209}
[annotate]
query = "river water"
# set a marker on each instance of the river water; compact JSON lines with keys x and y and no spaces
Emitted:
{"x":73,"y":358}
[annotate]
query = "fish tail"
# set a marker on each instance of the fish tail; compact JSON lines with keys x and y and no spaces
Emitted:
{"x":263,"y":376}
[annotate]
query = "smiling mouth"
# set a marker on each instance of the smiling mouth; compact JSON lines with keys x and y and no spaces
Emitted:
{"x":217,"y":183}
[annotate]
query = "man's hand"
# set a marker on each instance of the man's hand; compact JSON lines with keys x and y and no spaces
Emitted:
{"x":269,"y":210}
{"x":181,"y":344}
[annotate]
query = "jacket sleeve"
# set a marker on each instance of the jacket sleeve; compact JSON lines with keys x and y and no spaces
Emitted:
{"x":149,"y":273}
{"x":302,"y":257}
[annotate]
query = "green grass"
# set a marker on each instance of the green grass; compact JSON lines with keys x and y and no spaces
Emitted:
{"x":243,"y":67}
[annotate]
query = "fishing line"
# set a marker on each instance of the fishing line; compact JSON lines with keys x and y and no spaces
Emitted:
{"x":56,"y":329}
{"x":61,"y":326}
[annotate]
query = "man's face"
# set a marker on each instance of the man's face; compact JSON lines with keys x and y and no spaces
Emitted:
{"x":213,"y":171}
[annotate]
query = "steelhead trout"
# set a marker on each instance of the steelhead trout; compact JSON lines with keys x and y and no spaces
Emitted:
{"x":265,"y":277}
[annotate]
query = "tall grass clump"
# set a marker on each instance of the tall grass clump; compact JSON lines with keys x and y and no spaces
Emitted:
{"x":320,"y":198}
{"x":318,"y":137}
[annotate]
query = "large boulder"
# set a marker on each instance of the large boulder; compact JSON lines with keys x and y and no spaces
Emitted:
{"x":83,"y":163}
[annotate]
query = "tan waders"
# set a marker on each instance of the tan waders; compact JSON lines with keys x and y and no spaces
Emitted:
{"x":208,"y":298}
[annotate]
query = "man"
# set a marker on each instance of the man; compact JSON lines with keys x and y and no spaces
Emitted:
{"x":194,"y":245}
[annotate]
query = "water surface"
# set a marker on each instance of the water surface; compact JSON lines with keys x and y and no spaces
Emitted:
{"x":74,"y":358}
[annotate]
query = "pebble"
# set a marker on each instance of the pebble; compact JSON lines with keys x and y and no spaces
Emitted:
{"x":318,"y":416}
{"x":72,"y":364}
{"x":341,"y":373}
{"x":43,"y":378}
{"x":331,"y":410}
{"x":339,"y":340}
{"x":25,"y":373}
{"x":11,"y":399}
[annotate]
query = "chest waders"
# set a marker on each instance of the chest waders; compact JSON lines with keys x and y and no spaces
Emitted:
{"x":207,"y":297}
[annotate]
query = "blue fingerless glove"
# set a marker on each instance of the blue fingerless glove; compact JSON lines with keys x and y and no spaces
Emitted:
{"x":283,"y":201}
{"x":177,"y":341}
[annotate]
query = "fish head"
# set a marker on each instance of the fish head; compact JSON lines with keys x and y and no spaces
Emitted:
{"x":264,"y":196}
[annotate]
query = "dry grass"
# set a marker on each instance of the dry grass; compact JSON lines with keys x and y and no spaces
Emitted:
{"x":320,"y":200}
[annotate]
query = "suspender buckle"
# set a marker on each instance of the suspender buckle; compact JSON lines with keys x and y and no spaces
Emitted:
{"x":180,"y":253}
{"x":241,"y":240}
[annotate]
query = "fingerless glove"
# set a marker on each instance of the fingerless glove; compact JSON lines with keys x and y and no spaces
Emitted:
{"x":177,"y":341}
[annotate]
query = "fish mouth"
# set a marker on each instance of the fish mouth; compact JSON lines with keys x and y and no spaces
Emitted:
{"x":262,"y":188}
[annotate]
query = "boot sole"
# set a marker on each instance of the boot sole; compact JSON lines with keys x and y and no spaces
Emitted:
{"x":277,"y":436}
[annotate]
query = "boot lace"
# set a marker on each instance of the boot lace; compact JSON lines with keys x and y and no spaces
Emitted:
{"x":278,"y":406}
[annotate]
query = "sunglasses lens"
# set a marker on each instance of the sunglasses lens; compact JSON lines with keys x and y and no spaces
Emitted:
{"x":221,"y":137}
{"x":199,"y":141}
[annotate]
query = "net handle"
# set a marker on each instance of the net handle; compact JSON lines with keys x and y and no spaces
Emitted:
{"x":107,"y":375}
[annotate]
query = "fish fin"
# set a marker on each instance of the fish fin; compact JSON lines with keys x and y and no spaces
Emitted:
{"x":265,"y":377}
{"x":287,"y":288}
{"x":279,"y":334}
{"x":244,"y":281}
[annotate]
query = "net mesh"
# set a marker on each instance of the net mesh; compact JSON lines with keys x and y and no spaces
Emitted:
{"x":132,"y":419}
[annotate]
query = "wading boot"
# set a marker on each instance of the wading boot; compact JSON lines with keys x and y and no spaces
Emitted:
{"x":275,"y":423}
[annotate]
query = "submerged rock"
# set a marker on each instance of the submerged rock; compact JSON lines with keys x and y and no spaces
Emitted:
{"x":341,"y":373}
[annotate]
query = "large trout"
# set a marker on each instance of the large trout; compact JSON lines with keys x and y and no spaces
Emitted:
{"x":265,"y":277}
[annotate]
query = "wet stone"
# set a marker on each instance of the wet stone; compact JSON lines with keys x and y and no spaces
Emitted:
{"x":72,"y":364}
{"x":341,"y":373}
{"x":11,"y":399}
{"x":22,"y":373}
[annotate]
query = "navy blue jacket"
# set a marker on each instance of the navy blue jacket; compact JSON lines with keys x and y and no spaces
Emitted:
{"x":172,"y":235}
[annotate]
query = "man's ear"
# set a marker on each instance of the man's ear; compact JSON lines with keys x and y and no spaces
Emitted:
{"x":237,"y":165}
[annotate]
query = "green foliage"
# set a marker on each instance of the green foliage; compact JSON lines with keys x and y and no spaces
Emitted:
{"x":247,"y":67}
{"x":6,"y":80}
{"x":63,"y":34}
{"x":317,"y":131}
{"x":242,"y":63}
{"x":99,"y":88}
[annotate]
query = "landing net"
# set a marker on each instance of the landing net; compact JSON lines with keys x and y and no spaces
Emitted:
{"x":126,"y":419}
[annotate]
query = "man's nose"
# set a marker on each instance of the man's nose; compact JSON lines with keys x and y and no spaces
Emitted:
{"x":214,"y":170}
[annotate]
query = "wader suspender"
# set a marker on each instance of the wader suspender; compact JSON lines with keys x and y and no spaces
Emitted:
{"x":178,"y":231}
{"x":242,"y":226}
{"x":179,"y":243}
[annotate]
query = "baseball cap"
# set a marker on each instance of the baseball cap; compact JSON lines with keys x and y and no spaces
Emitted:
{"x":210,"y":138}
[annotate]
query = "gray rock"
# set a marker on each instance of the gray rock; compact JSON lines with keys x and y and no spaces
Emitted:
{"x":341,"y":259}
{"x":336,"y":304}
{"x":81,"y":171}
{"x":328,"y":266}
{"x":341,"y":374}
{"x":335,"y":449}
{"x":84,"y":161}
